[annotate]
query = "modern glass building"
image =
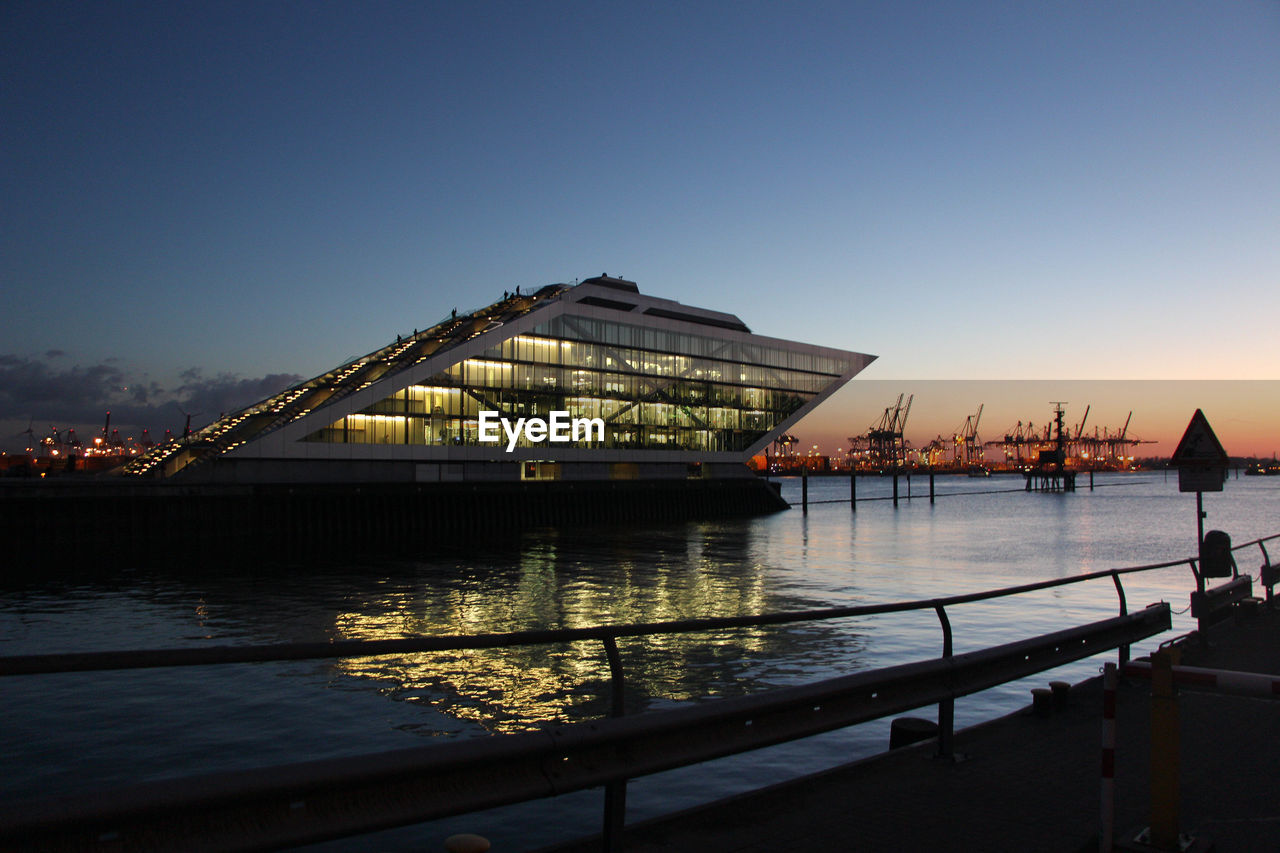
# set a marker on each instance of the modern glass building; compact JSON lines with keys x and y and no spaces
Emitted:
{"x":592,"y":381}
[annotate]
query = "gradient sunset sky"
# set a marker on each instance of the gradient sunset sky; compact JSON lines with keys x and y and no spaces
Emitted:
{"x":204,"y":202}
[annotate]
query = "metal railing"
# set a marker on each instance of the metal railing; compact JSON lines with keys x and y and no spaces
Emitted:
{"x":313,"y":801}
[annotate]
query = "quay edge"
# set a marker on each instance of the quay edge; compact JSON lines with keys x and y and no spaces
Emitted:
{"x":84,"y":527}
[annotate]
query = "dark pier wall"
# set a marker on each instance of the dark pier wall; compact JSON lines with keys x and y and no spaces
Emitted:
{"x":59,"y":527}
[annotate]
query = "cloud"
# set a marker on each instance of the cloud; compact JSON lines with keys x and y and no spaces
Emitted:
{"x":227,"y":392}
{"x":32,"y":388}
{"x":35,"y":392}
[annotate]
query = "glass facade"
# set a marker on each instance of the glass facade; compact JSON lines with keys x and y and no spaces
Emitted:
{"x":654,"y":388}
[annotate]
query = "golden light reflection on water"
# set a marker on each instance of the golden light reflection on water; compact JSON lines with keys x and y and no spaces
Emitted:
{"x":557,"y":583}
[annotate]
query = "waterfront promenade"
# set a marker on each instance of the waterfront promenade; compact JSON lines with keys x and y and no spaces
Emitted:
{"x":1026,"y":782}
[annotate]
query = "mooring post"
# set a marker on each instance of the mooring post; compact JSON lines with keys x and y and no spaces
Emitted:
{"x":804,"y":489}
{"x":1091,"y":480}
{"x":895,"y":488}
{"x":853,"y":490}
{"x":908,"y":485}
{"x":930,"y":485}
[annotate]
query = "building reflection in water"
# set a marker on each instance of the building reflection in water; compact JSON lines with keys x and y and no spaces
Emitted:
{"x":579,"y":579}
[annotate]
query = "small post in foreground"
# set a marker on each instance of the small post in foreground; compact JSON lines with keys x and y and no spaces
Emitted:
{"x":1165,"y":749}
{"x":1107,"y":836}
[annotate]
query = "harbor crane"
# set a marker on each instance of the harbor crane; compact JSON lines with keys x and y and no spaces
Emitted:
{"x":30,"y":433}
{"x":1099,"y":451}
{"x":1080,"y":426}
{"x":186,"y":430}
{"x":967,"y":449}
{"x":883,"y":445}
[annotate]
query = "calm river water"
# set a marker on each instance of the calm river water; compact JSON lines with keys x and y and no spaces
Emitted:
{"x":71,"y":733}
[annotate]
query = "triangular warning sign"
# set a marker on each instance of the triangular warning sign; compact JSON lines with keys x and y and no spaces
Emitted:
{"x":1199,"y":446}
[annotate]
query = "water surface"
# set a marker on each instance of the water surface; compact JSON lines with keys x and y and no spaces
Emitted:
{"x":76,"y":732}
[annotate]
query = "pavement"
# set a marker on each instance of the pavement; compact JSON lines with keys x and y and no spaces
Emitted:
{"x":1026,"y":782}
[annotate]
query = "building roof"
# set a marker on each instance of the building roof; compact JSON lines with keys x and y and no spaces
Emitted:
{"x":283,"y":425}
{"x":232,"y":430}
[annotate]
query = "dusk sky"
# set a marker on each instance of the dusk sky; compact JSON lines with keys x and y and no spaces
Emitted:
{"x":205,"y":202}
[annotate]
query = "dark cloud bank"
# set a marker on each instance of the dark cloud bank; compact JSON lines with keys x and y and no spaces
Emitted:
{"x":37,"y":391}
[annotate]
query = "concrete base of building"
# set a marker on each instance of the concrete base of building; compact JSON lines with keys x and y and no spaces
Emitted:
{"x":251,"y":470}
{"x":87,"y":526}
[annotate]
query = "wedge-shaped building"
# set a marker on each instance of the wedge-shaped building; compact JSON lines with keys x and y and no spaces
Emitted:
{"x":593,"y":381}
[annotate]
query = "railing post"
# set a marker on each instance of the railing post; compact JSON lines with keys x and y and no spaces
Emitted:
{"x":947,"y":707}
{"x":1266,"y":571}
{"x":1124,"y":609}
{"x":615,"y":793}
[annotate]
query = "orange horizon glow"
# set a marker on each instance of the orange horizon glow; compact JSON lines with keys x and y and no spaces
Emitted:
{"x":1244,"y":414}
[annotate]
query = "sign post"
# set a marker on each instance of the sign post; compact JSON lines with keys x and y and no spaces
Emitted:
{"x":1201,"y":461}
